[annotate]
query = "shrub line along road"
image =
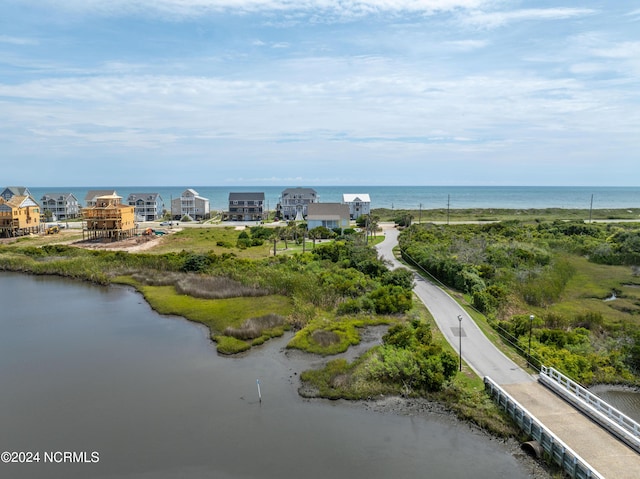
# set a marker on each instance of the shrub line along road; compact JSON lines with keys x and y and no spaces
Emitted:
{"x":609,"y":456}
{"x":477,"y":351}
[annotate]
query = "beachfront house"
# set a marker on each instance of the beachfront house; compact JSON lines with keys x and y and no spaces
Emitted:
{"x":11,"y":191}
{"x":147,"y":206}
{"x":190,"y":204}
{"x":91,"y":198}
{"x":19,"y":213}
{"x":108,"y":219}
{"x":61,"y":206}
{"x":359,"y":204}
{"x":329,"y":215}
{"x":294,"y":203}
{"x":245,"y":206}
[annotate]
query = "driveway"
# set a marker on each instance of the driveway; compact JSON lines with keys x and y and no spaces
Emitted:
{"x":477,"y":351}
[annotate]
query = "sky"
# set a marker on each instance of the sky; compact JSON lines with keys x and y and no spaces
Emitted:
{"x":327,"y":92}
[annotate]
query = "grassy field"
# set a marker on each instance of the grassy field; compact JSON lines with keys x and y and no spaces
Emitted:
{"x":591,"y":289}
{"x":497,"y":214}
{"x":219,"y":240}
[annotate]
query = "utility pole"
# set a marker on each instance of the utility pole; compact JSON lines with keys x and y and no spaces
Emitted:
{"x":591,"y":208}
{"x":460,"y":340}
{"x":420,"y":216}
{"x":448,"y":205}
{"x":531,"y":318}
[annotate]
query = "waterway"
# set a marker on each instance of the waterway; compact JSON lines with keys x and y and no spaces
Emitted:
{"x":625,"y":400}
{"x":94,"y":371}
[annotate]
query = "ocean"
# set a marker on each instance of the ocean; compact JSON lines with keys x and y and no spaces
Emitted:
{"x":404,"y":197}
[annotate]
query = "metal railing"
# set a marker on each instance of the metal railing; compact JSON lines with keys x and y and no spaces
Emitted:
{"x":559,"y":452}
{"x":596,"y":408}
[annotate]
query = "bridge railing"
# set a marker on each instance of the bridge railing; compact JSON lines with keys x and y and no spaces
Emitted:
{"x":597,"y":409}
{"x":560,"y":453}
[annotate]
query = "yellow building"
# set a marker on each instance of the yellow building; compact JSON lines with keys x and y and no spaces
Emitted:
{"x":109,"y":218}
{"x":19,"y":215}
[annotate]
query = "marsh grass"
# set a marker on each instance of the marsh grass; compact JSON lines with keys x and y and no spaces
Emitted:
{"x":329,"y":336}
{"x":253,"y":328}
{"x":591,"y":284}
{"x":325,"y":338}
{"x":216,"y":314}
{"x":199,"y":286}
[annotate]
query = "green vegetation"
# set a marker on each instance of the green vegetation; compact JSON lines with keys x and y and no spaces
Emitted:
{"x":442,"y":215}
{"x":415,"y":361}
{"x":333,"y":336}
{"x":561,"y":272}
{"x":219,"y":288}
{"x":230,"y":280}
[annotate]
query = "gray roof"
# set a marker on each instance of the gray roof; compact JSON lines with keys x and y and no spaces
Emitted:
{"x":327,"y":211}
{"x":246,"y":196}
{"x":15,"y":191}
{"x":58,"y":196}
{"x":144,"y":196}
{"x":299,"y":191}
{"x":93,"y":194}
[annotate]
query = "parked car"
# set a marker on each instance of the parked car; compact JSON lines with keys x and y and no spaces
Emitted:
{"x":169,"y":223}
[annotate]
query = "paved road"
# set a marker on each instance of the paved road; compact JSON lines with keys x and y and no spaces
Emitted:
{"x":477,"y":351}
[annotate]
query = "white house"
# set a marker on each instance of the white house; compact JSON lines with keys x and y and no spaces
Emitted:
{"x":294,"y":203}
{"x":190,"y":204}
{"x":359,"y":204}
{"x":62,"y":206}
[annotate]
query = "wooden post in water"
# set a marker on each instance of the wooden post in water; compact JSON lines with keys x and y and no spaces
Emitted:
{"x":259,"y":393}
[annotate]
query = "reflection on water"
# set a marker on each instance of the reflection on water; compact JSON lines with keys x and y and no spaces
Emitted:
{"x":86,"y":368}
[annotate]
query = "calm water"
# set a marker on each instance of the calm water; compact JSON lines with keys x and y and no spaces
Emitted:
{"x":407,"y":197}
{"x":86,"y":368}
{"x":625,"y":401}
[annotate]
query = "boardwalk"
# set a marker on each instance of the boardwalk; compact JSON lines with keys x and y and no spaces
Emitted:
{"x":610,"y":457}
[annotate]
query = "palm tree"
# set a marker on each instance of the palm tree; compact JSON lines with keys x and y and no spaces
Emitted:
{"x":275,"y":236}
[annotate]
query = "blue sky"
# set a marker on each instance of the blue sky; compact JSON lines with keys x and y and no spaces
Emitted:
{"x":280,"y":92}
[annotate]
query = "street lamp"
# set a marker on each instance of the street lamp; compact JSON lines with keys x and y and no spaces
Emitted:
{"x":531,"y":318}
{"x":460,"y":339}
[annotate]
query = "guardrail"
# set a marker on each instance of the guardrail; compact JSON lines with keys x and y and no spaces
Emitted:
{"x":614,"y":421}
{"x":559,"y":452}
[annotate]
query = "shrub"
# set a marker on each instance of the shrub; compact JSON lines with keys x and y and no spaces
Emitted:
{"x":391,"y":300}
{"x":196,"y":263}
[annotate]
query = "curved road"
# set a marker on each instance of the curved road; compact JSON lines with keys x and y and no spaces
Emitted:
{"x":477,"y":351}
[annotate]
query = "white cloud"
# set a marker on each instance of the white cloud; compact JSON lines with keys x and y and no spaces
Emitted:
{"x":635,"y":14}
{"x":18,"y":40}
{"x":407,"y":106}
{"x":466,"y":45}
{"x":497,"y":19}
{"x":182,"y":8}
{"x":622,"y":50}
